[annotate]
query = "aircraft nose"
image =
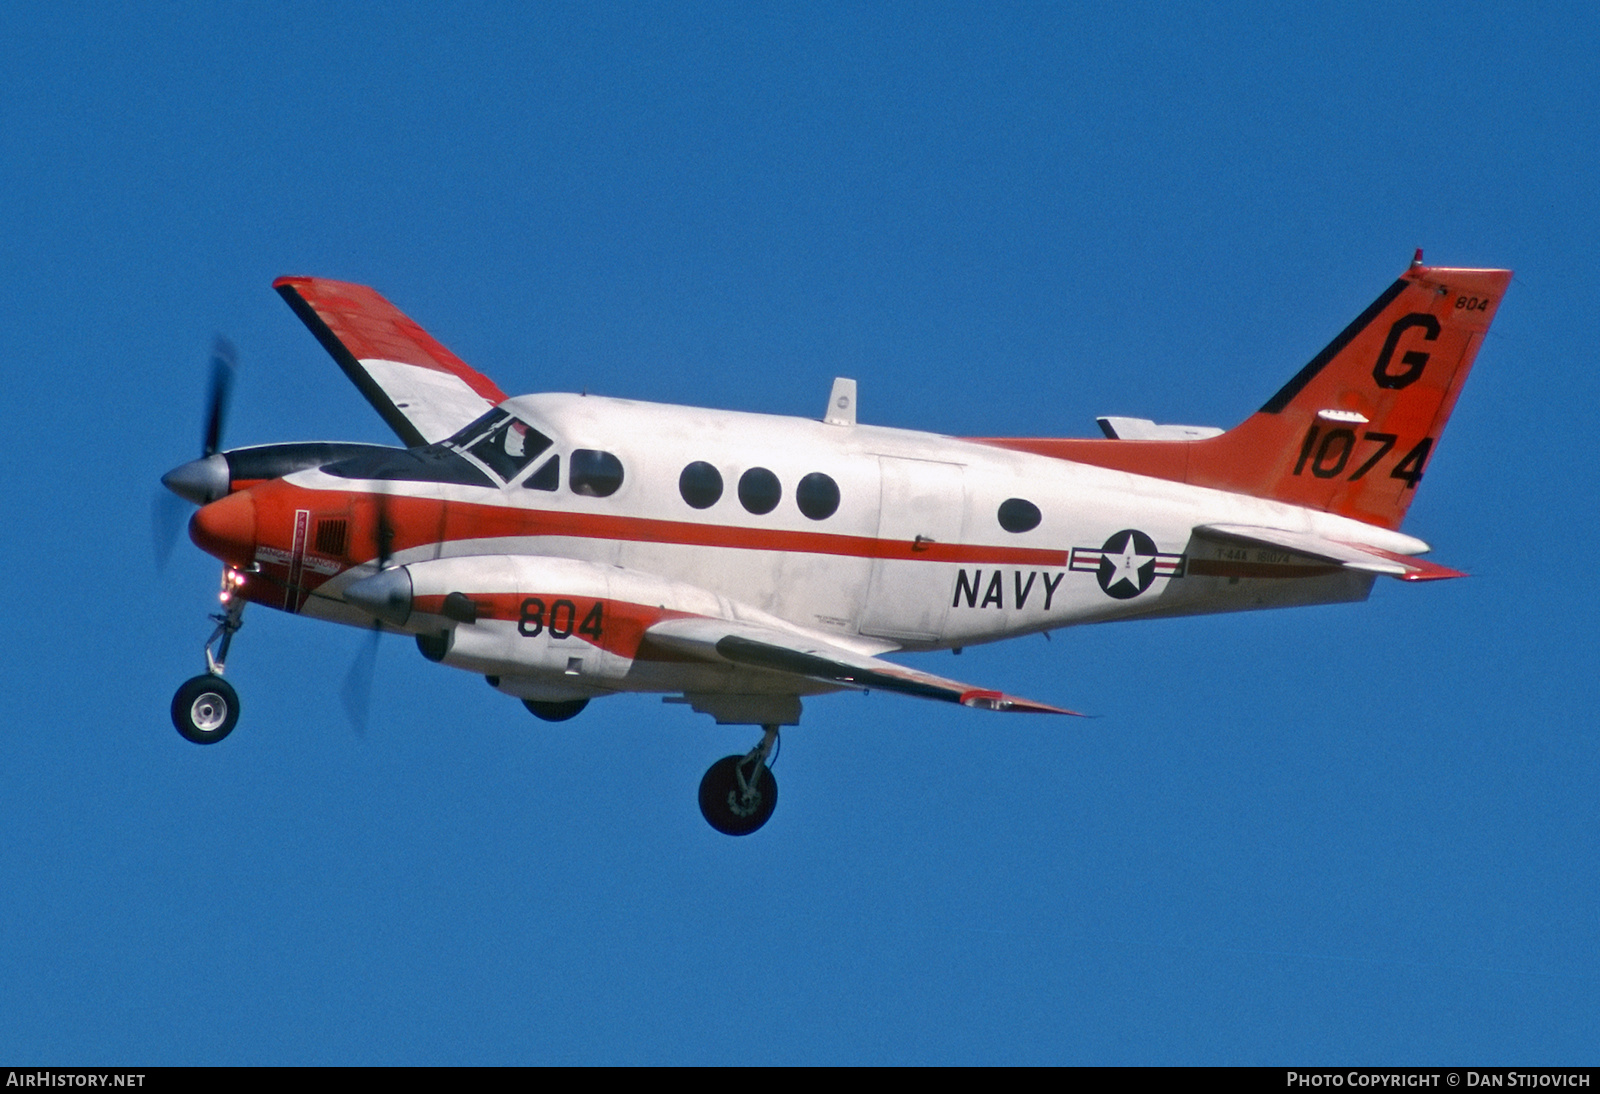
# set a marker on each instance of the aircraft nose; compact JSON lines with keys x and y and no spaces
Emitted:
{"x":227,"y":528}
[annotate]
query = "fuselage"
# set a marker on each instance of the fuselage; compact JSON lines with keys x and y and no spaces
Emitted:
{"x":568,"y":547}
{"x":883,"y":537}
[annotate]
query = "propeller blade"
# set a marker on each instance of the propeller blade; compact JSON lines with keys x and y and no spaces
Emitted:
{"x":168,"y":512}
{"x":385,"y":531}
{"x":357,"y":690}
{"x":224,"y":364}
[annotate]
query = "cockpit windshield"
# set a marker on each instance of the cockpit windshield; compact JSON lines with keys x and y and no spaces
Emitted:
{"x":505,"y":444}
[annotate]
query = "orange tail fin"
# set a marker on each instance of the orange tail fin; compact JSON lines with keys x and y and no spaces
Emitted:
{"x":1352,"y":432}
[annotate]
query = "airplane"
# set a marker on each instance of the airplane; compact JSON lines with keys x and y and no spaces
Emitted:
{"x":567,"y":547}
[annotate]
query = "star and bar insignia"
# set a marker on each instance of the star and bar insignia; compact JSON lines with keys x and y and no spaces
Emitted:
{"x":1127,"y":564}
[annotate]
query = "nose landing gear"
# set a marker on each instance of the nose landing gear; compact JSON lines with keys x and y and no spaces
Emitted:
{"x":206,"y":708}
{"x":738,"y":793}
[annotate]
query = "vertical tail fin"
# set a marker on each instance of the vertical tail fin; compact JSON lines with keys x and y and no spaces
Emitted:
{"x":1352,"y":432}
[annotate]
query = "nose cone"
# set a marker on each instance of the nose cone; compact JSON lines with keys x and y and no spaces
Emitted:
{"x":227,"y":529}
{"x":200,"y":481}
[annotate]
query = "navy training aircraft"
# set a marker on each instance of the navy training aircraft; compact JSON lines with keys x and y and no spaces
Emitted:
{"x":568,"y":547}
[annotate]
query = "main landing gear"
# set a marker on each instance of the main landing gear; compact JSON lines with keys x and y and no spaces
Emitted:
{"x":738,"y":793}
{"x":206,"y":708}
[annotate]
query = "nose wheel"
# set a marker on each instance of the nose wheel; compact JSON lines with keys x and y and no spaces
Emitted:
{"x":206,"y":708}
{"x":738,"y":793}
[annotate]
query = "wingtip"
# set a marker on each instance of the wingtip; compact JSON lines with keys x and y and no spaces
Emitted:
{"x":980,"y":699}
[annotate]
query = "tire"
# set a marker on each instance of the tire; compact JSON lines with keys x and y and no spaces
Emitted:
{"x":205,"y":709}
{"x":719,"y":798}
{"x":555,"y":712}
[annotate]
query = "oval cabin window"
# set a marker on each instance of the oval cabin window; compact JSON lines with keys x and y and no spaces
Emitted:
{"x":1017,"y":515}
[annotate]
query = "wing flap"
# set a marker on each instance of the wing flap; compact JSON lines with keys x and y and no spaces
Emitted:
{"x":1352,"y":556}
{"x":795,"y":654}
{"x":422,"y":390}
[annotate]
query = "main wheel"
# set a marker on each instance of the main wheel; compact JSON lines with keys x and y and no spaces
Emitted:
{"x":732,"y":809}
{"x":205,"y":709}
{"x":555,"y":712}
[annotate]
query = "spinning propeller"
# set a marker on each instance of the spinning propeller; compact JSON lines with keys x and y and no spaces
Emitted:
{"x":357,"y":690}
{"x":202,"y":480}
{"x":224,"y":364}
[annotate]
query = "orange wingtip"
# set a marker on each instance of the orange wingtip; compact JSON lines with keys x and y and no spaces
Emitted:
{"x":998,"y":700}
{"x":1416,"y":568}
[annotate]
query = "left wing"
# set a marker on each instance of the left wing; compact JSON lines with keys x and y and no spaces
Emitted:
{"x":423,"y":391}
{"x":795,"y":654}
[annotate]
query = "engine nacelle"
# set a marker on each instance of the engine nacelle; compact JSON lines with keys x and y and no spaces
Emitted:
{"x":574,"y":625}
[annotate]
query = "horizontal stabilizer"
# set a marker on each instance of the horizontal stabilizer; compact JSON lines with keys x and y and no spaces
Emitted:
{"x":1143,"y":429}
{"x":1352,"y":556}
{"x":795,"y":654}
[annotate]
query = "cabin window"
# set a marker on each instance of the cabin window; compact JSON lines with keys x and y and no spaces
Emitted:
{"x":1017,"y":515}
{"x":759,"y":490}
{"x":547,"y":477}
{"x":700,"y":484}
{"x":817,"y":496}
{"x":594,"y":474}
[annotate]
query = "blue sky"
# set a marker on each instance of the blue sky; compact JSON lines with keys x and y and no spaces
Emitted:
{"x":1362,"y":833}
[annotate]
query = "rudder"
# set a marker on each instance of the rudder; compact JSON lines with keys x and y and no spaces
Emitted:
{"x":1353,"y":431}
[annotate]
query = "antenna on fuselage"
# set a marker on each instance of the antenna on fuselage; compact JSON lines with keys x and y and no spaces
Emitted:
{"x":841,"y":402}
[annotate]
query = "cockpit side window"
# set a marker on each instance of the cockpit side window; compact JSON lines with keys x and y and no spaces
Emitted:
{"x":547,"y":477}
{"x":594,"y":474}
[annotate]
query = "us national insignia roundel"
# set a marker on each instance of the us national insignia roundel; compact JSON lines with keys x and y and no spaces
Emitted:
{"x":1127,"y":563}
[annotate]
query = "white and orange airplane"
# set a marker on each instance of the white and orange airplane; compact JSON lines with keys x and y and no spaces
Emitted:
{"x":568,"y":547}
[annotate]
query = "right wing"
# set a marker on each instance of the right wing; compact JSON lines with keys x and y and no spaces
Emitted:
{"x":423,"y":391}
{"x":793,"y":653}
{"x":627,"y":615}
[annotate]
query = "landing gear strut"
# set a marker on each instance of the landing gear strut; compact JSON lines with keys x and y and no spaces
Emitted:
{"x":738,"y":793}
{"x":206,"y":708}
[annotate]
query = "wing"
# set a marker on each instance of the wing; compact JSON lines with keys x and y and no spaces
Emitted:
{"x":795,"y":654}
{"x":423,"y":391}
{"x":636,"y":616}
{"x":1351,"y":556}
